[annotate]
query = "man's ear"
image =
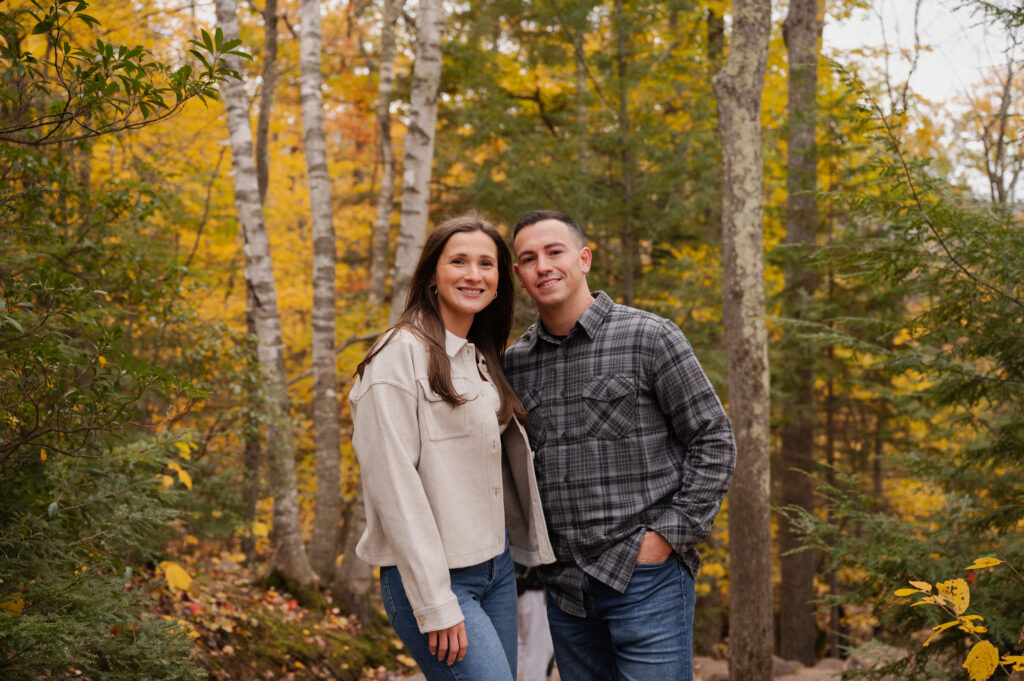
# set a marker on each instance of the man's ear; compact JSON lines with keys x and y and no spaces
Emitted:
{"x":515,"y":268}
{"x":585,"y":258}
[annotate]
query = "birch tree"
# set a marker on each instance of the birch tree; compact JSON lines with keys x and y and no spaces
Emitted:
{"x":290,"y":558}
{"x":354,"y":579}
{"x":323,"y":547}
{"x":419,"y":149}
{"x":738,"y":87}
{"x":802,"y":32}
{"x":386,"y":193}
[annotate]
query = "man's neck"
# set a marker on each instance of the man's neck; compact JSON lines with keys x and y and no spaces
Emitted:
{"x":559,"y":320}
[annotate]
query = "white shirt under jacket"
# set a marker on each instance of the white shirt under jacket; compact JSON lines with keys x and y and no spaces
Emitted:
{"x":441,"y":484}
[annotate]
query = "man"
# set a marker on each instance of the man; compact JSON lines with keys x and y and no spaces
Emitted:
{"x":634,"y":453}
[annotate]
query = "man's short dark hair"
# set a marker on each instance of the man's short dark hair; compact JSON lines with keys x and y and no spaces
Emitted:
{"x":535,"y":216}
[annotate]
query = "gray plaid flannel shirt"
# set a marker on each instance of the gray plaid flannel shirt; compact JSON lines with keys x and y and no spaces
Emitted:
{"x":629,"y":436}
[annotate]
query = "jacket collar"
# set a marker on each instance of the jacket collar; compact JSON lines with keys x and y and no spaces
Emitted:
{"x":452,"y":343}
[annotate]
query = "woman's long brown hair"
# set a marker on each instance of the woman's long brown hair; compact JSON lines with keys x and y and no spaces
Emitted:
{"x":490,"y":328}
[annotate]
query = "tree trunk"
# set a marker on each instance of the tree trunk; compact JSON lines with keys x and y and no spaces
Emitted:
{"x":738,"y":87}
{"x":252,"y":462}
{"x":290,"y":557}
{"x":627,"y":230}
{"x":354,"y":579}
{"x":386,"y":194}
{"x":323,"y":547}
{"x":797,"y":630}
{"x":419,"y":149}
{"x":266,"y":96}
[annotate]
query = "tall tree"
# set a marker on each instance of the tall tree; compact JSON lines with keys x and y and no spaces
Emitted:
{"x":738,"y":87}
{"x":290,"y":558}
{"x":354,"y":580}
{"x":419,"y":149}
{"x":269,"y":81}
{"x":801,"y":31}
{"x":386,"y":192}
{"x":324,"y":544}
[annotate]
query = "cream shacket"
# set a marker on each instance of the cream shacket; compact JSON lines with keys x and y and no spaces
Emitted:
{"x":441,"y":484}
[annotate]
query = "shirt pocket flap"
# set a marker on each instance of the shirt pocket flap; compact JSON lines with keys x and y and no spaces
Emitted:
{"x":608,"y":388}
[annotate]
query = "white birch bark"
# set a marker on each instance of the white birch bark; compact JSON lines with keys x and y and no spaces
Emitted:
{"x":419,"y":149}
{"x":290,"y":557}
{"x":323,"y":546}
{"x":738,"y":87}
{"x":386,"y":193}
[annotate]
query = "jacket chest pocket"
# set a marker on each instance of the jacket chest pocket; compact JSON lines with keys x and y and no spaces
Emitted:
{"x":444,"y":421}
{"x":609,"y":406}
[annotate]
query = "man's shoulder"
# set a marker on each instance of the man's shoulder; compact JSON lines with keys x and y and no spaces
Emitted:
{"x":644,"y":324}
{"x":520,"y":346}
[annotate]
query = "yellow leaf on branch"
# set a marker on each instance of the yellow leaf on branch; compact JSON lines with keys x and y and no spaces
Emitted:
{"x":938,"y":630}
{"x":981,"y":661}
{"x":183,"y":475}
{"x":176,"y":576}
{"x":1016,"y":660}
{"x":987,"y":562}
{"x":184,"y":450}
{"x":956,"y":592}
{"x":260,"y":529}
{"x":923,"y":586}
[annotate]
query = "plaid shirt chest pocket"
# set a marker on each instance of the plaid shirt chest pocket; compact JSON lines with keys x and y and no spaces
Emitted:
{"x":609,"y":406}
{"x":444,"y":421}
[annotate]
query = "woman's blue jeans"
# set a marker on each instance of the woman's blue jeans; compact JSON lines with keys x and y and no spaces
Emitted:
{"x":644,"y":634}
{"x":487,"y":596}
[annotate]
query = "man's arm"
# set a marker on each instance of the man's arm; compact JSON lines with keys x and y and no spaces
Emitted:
{"x":699,"y":422}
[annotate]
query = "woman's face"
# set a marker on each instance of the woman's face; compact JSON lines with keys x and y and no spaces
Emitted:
{"x":466,"y":278}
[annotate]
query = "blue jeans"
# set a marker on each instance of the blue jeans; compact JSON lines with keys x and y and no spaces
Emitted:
{"x":487,"y":596}
{"x":644,"y":634}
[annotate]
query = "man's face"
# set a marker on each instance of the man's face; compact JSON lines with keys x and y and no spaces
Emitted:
{"x":551,"y":264}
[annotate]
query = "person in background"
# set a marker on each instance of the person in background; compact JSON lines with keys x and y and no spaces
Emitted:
{"x":634,"y":454}
{"x":448,"y":482}
{"x":535,"y":648}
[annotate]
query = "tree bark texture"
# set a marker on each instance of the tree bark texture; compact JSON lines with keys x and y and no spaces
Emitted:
{"x":738,"y":87}
{"x":323,"y":547}
{"x":266,"y":96}
{"x":802,"y":32}
{"x":419,"y":149}
{"x":290,"y":558}
{"x":386,"y":193}
{"x":353,"y":581}
{"x":627,"y":230}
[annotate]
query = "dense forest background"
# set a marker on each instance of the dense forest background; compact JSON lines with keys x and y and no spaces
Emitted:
{"x":207,"y":210}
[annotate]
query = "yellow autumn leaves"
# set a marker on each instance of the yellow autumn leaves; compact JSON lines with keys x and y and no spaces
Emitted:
{"x":185,"y":450}
{"x":954,"y":597}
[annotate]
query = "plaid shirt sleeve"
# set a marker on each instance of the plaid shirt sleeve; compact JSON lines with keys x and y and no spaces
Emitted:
{"x":691,"y":406}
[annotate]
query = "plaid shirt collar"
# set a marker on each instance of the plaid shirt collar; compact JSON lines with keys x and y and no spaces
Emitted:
{"x":590,"y":322}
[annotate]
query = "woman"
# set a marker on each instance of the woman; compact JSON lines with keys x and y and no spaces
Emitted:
{"x":448,"y":482}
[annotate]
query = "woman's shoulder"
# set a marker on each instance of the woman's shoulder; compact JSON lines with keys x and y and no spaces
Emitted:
{"x":400,"y":353}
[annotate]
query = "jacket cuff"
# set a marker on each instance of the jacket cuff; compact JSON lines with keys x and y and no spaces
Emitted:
{"x":439,"y":617}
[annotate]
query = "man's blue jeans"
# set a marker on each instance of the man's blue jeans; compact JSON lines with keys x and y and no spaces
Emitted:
{"x":644,"y":634}
{"x":487,"y":596}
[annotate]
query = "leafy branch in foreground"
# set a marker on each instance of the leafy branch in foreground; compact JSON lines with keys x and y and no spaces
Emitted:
{"x":953,"y":596}
{"x":78,"y":90}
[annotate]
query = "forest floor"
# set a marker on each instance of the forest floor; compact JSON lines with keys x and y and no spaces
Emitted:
{"x":245,"y":630}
